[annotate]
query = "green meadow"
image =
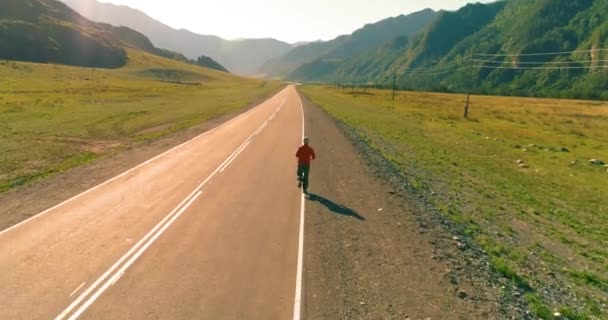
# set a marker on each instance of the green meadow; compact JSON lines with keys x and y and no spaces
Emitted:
{"x":55,"y":117}
{"x":517,"y":177}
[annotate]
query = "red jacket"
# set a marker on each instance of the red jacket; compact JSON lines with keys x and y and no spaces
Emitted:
{"x":305,"y":154}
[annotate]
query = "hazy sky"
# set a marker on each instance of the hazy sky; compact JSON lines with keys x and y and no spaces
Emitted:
{"x":287,"y":20}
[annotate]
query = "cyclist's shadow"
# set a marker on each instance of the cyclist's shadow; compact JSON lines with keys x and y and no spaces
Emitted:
{"x":334,"y":207}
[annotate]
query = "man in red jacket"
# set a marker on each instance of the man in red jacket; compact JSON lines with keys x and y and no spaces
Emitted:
{"x":305,"y":154}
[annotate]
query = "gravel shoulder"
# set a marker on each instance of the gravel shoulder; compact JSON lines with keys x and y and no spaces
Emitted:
{"x":371,"y":250}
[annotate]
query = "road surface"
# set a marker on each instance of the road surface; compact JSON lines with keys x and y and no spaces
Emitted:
{"x":208,"y":230}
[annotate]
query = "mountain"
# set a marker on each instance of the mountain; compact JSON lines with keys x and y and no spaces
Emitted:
{"x":301,"y":43}
{"x":479,"y":47}
{"x":282,"y":66}
{"x":48,"y":31}
{"x":239,"y":56}
{"x":426,"y":48}
{"x":322,"y":56}
{"x":205,"y":61}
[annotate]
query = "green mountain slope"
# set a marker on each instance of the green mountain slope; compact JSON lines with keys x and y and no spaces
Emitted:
{"x":529,"y":27}
{"x":320,"y":57}
{"x":499,"y":37}
{"x":369,"y":63}
{"x":426,"y":49}
{"x":205,"y":61}
{"x":49,"y":31}
{"x":239,"y":56}
{"x":298,"y":56}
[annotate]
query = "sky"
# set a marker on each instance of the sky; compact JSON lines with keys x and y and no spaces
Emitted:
{"x":286,"y":20}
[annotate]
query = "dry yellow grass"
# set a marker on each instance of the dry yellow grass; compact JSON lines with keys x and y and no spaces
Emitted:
{"x":516,"y":176}
{"x":55,"y":117}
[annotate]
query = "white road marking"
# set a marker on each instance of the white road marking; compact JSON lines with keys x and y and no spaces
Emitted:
{"x":122,"y":270}
{"x":119,"y":262}
{"x":152,"y":235}
{"x":234,"y":157}
{"x":261,"y":128}
{"x":297,"y":312}
{"x":248,"y":140}
{"x":76,"y":290}
{"x":117,"y":278}
{"x":132,"y":169}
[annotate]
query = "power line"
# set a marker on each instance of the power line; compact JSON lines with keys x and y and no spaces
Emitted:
{"x":531,"y":68}
{"x":538,"y":54}
{"x":439,"y":69}
{"x":435,"y":68}
{"x":539,"y":62}
{"x":527,"y":65}
{"x":433,"y":73}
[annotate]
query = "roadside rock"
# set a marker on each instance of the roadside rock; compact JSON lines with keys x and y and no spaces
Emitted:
{"x":462,"y":294}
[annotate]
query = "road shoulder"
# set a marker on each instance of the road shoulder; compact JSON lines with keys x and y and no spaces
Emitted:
{"x":368,"y":256}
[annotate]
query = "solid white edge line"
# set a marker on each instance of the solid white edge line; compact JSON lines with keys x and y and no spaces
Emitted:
{"x":297,"y":307}
{"x":122,"y":270}
{"x":144,"y":239}
{"x":134,"y":168}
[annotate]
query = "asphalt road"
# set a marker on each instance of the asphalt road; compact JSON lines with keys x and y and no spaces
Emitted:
{"x":208,"y":230}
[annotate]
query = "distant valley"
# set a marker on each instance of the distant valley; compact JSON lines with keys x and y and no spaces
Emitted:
{"x":240,"y":56}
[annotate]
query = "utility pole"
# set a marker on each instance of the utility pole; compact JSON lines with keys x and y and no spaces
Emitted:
{"x":470,"y":80}
{"x":394,"y":82}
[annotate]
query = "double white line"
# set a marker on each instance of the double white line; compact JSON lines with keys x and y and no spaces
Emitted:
{"x":119,"y":268}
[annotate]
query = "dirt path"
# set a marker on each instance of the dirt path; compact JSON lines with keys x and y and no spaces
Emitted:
{"x":366,"y":256}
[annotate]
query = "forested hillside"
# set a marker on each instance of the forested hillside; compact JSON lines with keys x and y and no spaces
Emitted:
{"x":319,"y":59}
{"x":494,"y":48}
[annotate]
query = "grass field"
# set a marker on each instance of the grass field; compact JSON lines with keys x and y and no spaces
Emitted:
{"x":516,"y":177}
{"x":56,"y":117}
